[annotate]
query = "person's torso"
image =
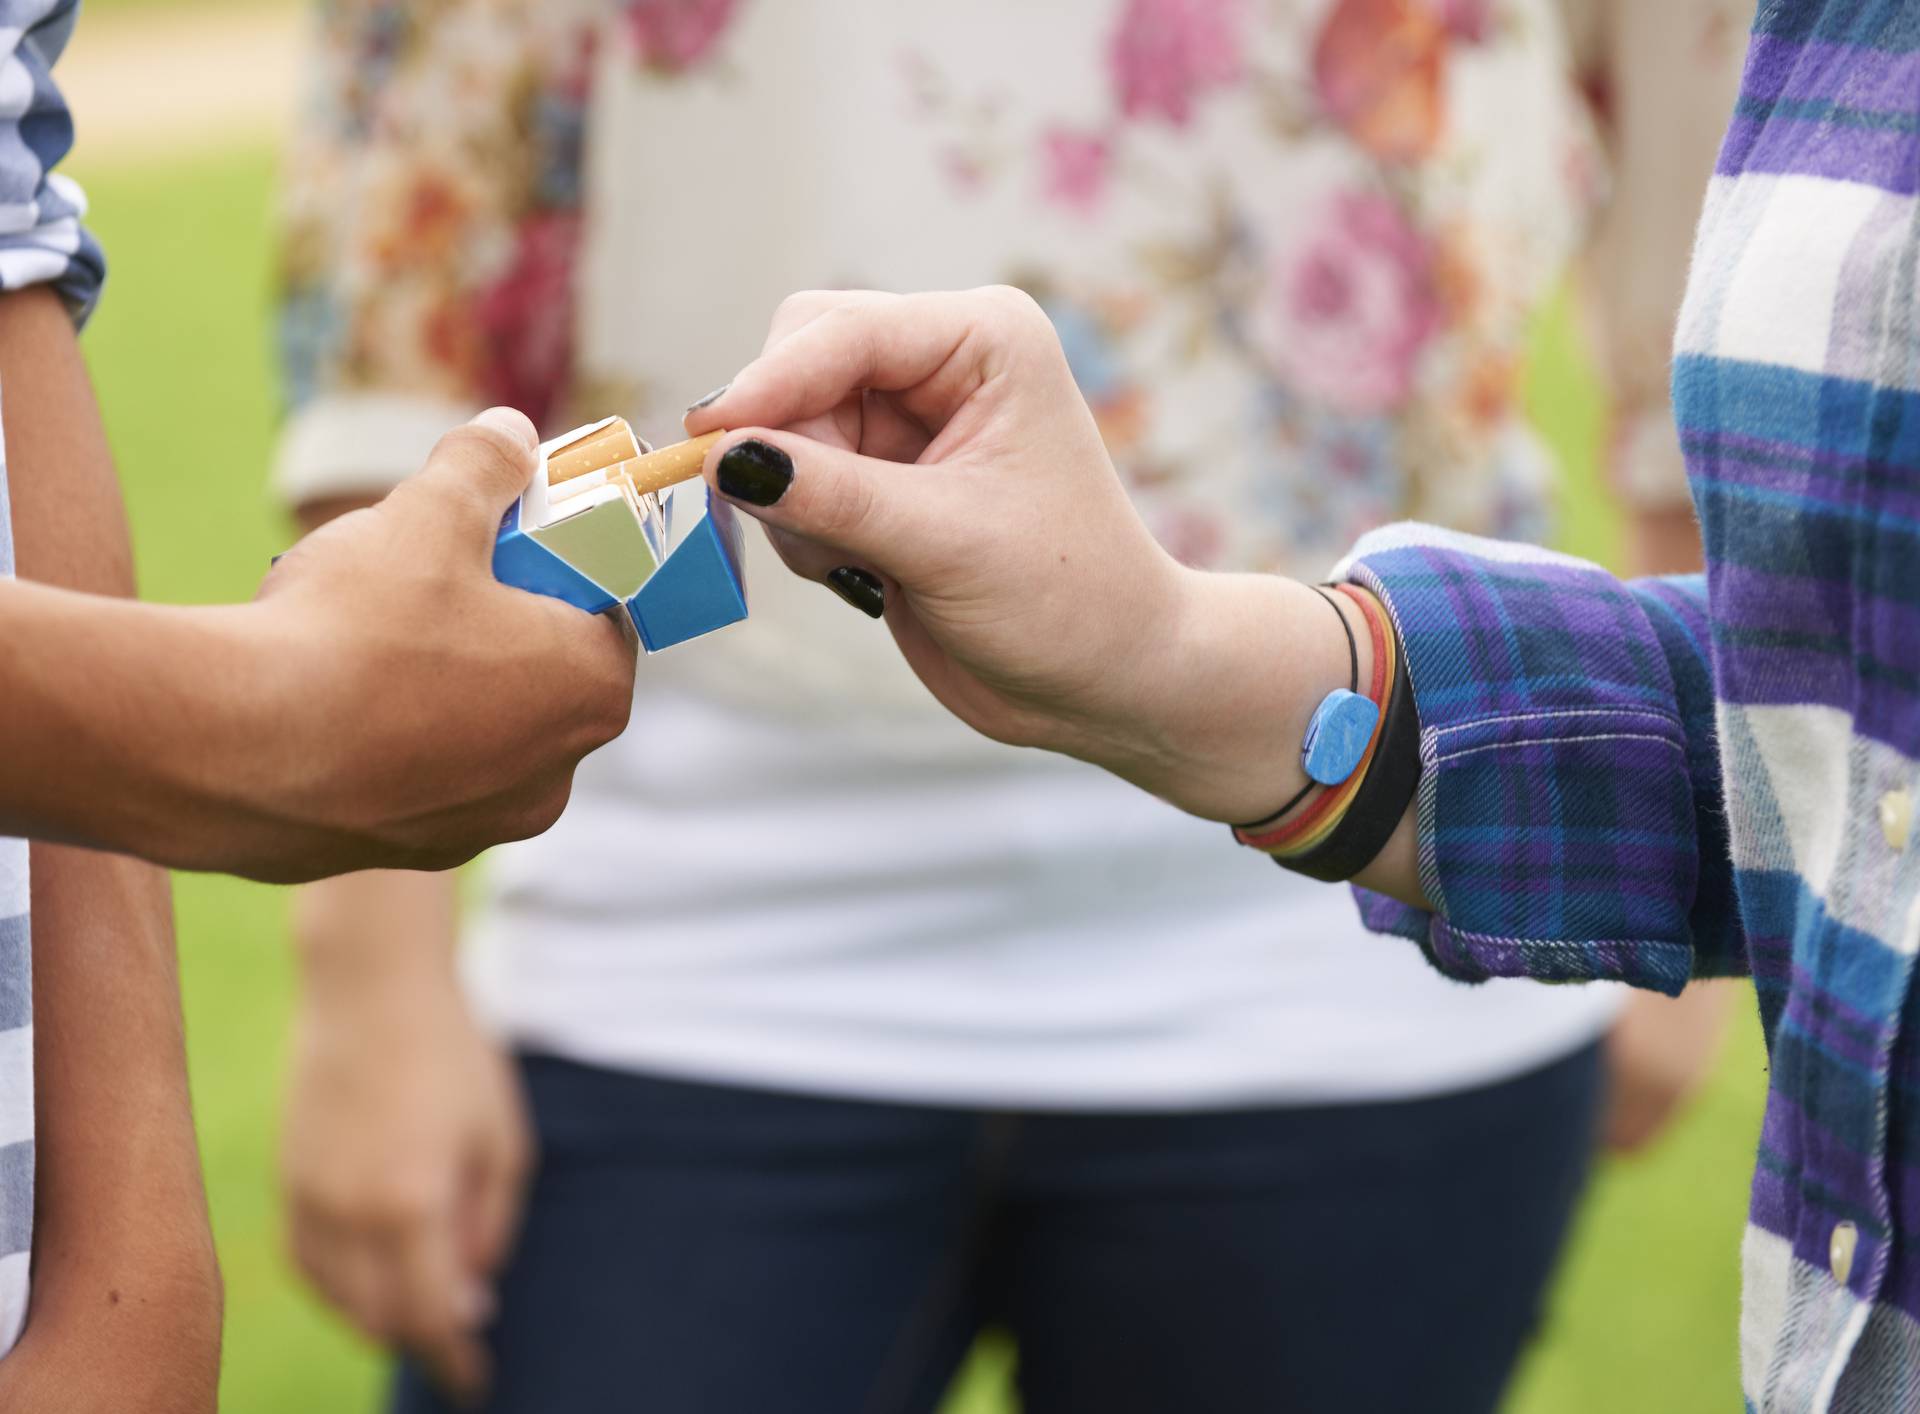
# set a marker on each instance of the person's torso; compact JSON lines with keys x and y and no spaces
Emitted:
{"x":1797,"y":388}
{"x":16,"y":1047}
{"x":1293,"y":256}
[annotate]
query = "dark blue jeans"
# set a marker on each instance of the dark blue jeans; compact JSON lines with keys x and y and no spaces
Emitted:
{"x":702,"y":1249}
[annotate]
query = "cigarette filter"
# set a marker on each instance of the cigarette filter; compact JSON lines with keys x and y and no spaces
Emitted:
{"x":655,"y":471}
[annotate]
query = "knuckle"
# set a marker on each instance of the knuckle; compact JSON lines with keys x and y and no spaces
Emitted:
{"x":613,"y":722}
{"x":425,"y":1327}
{"x":800,"y":309}
{"x":1016,"y":305}
{"x":835,"y":323}
{"x":377,"y":1324}
{"x":613,"y":702}
{"x":797,"y":305}
{"x":520,"y":1159}
{"x":483,"y":449}
{"x":545,"y":812}
{"x":399,"y":1208}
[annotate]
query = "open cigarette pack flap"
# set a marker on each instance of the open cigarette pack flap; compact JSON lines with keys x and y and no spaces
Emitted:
{"x":592,"y":530}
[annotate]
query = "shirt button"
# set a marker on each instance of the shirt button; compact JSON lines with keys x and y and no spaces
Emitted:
{"x":1840,"y":1250}
{"x":1896,"y":818}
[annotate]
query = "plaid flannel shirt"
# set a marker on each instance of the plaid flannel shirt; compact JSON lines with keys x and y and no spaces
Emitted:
{"x":41,"y":242}
{"x":1678,"y":778}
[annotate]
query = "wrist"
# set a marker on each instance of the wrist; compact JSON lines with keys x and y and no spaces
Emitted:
{"x":1216,"y":723}
{"x":381,"y":941}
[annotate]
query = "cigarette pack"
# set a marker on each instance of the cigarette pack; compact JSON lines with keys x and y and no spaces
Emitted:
{"x":586,"y":534}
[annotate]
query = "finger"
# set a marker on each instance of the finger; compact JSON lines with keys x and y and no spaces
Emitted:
{"x":348,"y":1273}
{"x":855,"y":584}
{"x":799,"y":310}
{"x":319,"y":1253}
{"x":872,"y":512}
{"x":933,"y":350}
{"x":496,"y":1198}
{"x":473,"y":474}
{"x":439,"y":1305}
{"x":806,"y":558}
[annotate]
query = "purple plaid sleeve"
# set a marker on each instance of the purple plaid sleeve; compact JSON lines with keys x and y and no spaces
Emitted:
{"x":1569,"y":805}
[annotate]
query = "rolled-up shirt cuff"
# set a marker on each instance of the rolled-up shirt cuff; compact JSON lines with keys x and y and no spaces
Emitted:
{"x":359,"y":444}
{"x":1556,"y":809}
{"x":43,"y":243}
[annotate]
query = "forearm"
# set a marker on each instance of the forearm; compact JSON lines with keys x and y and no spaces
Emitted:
{"x":127,"y":724}
{"x":381,"y":938}
{"x":112,"y":711}
{"x":1559,"y":707}
{"x":137,"y":727}
{"x":122,"y":1252}
{"x":1672,"y":68}
{"x":377,"y":938}
{"x":124,"y":1266}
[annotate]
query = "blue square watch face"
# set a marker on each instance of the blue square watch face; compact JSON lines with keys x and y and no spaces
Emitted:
{"x":1337,"y":736}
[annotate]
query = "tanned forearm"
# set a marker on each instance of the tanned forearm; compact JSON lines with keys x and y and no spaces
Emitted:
{"x":125,"y":1281}
{"x":121,"y":719}
{"x":107,"y":736}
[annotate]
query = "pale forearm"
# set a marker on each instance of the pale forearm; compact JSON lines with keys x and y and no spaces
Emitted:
{"x":379,"y":938}
{"x":1672,"y":68}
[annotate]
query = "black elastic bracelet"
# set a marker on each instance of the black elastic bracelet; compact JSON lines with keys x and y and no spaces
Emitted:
{"x":1353,"y":685}
{"x":1381,"y":800}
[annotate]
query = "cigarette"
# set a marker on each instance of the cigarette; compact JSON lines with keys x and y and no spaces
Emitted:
{"x":599,"y":450}
{"x":670,"y":465}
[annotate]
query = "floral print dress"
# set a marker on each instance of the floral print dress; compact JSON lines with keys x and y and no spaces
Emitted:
{"x":1336,"y":216}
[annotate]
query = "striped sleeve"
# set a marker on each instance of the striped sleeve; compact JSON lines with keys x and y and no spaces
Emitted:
{"x":42,"y":240}
{"x":1569,"y":807}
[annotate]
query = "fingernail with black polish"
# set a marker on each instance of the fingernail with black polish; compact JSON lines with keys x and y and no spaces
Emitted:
{"x":710,"y":399}
{"x":756,"y":472}
{"x":859,"y":589}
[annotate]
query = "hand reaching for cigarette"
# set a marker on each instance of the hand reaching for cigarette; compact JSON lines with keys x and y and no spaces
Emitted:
{"x":428,"y":710}
{"x":936,"y":456}
{"x":930,"y":458}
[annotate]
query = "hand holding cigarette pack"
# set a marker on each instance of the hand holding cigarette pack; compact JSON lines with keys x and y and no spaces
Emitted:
{"x":608,"y":521}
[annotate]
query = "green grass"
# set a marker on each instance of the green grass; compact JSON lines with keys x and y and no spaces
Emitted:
{"x":1644,"y":1317}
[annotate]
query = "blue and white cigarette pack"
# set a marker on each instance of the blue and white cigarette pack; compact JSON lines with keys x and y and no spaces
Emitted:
{"x":671,"y":559}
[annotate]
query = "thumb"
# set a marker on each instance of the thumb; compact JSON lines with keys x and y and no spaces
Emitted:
{"x":473,"y":474}
{"x":876,"y":512}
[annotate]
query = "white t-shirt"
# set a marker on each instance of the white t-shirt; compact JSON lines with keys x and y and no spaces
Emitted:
{"x":1297,"y":302}
{"x":915,"y":914}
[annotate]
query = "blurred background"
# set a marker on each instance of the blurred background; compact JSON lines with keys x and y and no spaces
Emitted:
{"x":179,"y":105}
